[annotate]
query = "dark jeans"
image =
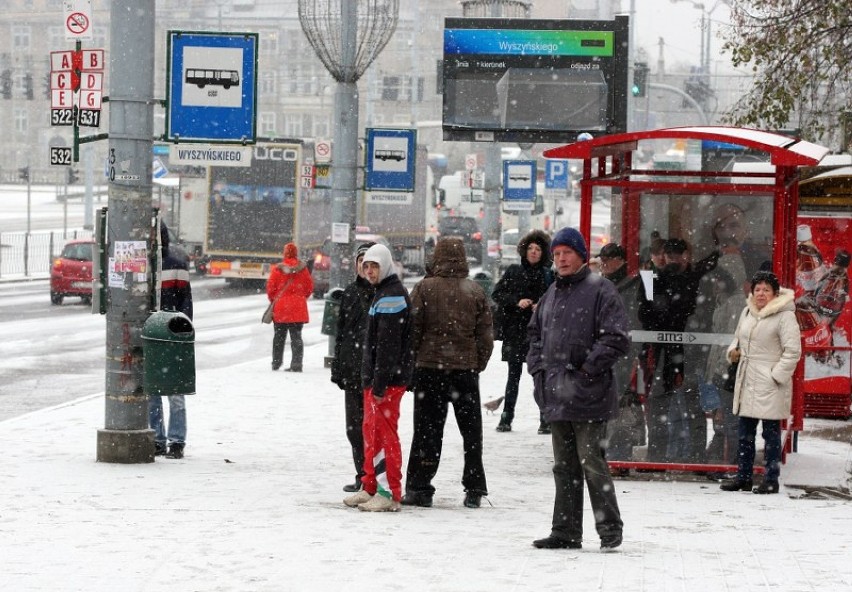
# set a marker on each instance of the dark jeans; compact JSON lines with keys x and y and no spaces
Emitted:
{"x":354,"y":405}
{"x":280,"y":340}
{"x":516,"y":370}
{"x":771,"y":448}
{"x":578,"y":453}
{"x":436,"y":389}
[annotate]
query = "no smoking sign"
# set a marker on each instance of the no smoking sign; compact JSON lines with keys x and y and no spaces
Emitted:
{"x":77,"y":19}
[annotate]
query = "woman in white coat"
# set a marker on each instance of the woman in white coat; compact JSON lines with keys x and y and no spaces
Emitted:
{"x":768,"y":346}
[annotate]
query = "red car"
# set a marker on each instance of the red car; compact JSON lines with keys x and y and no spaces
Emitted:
{"x":71,"y":272}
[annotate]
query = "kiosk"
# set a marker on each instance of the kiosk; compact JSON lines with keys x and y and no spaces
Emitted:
{"x":685,"y":183}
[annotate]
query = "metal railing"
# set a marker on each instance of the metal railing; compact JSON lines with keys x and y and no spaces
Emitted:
{"x":30,"y":255}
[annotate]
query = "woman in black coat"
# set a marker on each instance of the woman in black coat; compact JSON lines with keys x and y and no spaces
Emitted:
{"x":516,"y":295}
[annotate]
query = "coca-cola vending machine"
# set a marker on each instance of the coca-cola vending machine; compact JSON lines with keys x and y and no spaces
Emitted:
{"x":824,"y":312}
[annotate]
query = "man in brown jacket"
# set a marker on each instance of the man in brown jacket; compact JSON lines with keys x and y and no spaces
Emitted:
{"x":452,"y":339}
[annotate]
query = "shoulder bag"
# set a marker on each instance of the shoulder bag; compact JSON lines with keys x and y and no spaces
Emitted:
{"x":267,"y":314}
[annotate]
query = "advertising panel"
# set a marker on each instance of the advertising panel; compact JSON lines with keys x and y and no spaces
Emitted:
{"x":525,"y":80}
{"x":823,"y":308}
{"x":253,"y":210}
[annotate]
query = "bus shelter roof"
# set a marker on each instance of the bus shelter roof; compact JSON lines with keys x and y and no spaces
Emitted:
{"x":783,"y":150}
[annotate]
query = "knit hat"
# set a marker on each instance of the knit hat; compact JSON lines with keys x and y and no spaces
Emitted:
{"x":571,"y":238}
{"x":362,"y":249}
{"x":675,"y":246}
{"x":291,"y":251}
{"x":613,"y":251}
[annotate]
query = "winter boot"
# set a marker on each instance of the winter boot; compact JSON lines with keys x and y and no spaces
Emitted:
{"x":175,"y":451}
{"x":505,"y":424}
{"x":362,"y":497}
{"x":380,"y":503}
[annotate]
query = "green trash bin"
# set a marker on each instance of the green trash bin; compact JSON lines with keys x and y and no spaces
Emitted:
{"x":331,"y":312}
{"x":483,"y":278}
{"x":168,"y":345}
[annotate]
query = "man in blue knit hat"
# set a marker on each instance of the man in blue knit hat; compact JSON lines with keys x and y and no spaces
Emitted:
{"x":577,"y":333}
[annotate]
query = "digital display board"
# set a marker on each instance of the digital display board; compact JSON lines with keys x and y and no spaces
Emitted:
{"x":523,"y":80}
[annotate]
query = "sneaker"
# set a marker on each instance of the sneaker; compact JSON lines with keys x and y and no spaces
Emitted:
{"x":175,"y":451}
{"x":380,"y":503}
{"x":504,"y":427}
{"x":611,"y":541}
{"x":159,"y":449}
{"x":424,"y":500}
{"x":553,"y":542}
{"x":353,"y":487}
{"x":472,"y":499}
{"x":359,"y":498}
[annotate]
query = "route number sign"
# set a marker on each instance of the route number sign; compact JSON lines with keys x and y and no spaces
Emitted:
{"x":60,"y":156}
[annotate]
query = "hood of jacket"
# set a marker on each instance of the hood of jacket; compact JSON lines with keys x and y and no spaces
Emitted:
{"x":380,"y":254}
{"x":450,"y":259}
{"x":542,"y":239}
{"x":783,"y":301}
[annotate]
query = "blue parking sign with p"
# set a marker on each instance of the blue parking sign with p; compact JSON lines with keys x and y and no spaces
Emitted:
{"x":556,"y":174}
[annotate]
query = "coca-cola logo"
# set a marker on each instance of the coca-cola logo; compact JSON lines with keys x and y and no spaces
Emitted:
{"x":821,"y":336}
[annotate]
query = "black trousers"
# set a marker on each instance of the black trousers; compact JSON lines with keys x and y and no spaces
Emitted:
{"x":279,"y":340}
{"x":354,"y":406}
{"x":434,"y":391}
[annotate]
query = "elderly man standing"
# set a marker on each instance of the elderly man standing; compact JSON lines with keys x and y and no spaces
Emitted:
{"x":577,"y":333}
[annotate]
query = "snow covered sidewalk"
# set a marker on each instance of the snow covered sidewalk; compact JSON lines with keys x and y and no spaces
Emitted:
{"x":256,"y":505}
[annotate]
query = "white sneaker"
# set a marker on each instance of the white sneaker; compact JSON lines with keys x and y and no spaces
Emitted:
{"x":358,"y":498}
{"x":379,"y":503}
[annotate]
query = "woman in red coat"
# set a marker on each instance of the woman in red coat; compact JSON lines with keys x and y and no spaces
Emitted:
{"x":290,"y":282}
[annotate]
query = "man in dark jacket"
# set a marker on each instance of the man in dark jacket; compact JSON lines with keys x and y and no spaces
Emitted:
{"x":628,"y":429}
{"x":348,"y":355}
{"x":675,"y":297}
{"x":385,"y":374}
{"x":175,"y":295}
{"x":577,"y":333}
{"x":452,"y":341}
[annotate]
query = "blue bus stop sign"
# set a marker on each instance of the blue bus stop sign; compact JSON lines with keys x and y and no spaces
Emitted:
{"x":211,"y":87}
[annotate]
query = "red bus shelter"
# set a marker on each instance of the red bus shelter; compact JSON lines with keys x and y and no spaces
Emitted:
{"x":703,"y":194}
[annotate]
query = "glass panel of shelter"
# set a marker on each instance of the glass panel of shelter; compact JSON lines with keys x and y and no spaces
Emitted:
{"x":683,"y":311}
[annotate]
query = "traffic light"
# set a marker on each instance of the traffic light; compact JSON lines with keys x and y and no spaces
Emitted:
{"x":24,"y":173}
{"x":6,"y":84}
{"x":640,"y":79}
{"x":73,"y":176}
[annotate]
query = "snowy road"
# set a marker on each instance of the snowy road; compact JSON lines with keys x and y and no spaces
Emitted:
{"x":53,"y":354}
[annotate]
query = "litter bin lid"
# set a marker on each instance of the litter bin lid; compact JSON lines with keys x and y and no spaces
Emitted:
{"x":165,"y":325}
{"x":334,"y":294}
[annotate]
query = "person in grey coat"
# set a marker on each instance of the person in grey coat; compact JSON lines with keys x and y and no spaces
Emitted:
{"x":577,"y":333}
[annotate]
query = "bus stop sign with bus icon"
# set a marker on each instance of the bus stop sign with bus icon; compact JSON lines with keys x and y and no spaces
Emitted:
{"x":212,"y":87}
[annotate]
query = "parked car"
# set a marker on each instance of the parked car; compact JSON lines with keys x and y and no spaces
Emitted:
{"x":509,"y":248}
{"x":71,"y":272}
{"x":321,"y":272}
{"x":465,"y":228}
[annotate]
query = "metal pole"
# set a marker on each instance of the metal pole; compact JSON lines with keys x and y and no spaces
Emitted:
{"x":88,"y":204}
{"x":126,"y":437}
{"x":344,"y":181}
